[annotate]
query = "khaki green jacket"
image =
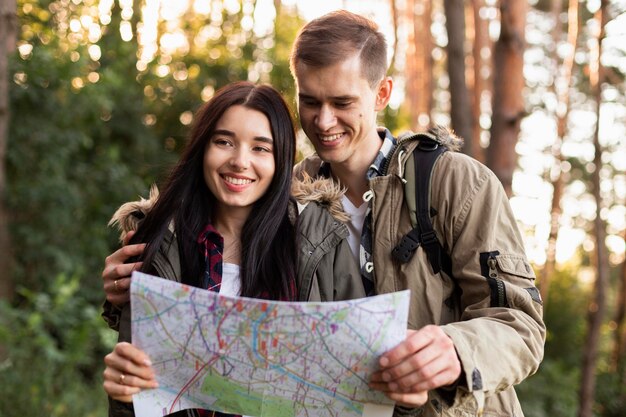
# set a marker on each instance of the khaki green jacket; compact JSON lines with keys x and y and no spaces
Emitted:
{"x":498,"y":345}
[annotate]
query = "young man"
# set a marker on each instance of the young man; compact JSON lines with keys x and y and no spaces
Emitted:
{"x":471,"y":337}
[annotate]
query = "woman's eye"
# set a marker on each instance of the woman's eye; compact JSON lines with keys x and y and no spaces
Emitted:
{"x":219,"y":141}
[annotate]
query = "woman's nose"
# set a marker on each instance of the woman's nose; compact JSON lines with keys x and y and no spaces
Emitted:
{"x":240,"y":159}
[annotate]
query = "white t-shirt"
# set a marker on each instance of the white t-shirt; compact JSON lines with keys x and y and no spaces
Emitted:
{"x":355,"y":225}
{"x":231,"y":281}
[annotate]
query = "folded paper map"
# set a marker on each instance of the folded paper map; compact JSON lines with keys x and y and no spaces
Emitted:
{"x":262,"y":358}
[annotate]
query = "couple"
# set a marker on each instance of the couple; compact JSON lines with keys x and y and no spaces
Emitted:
{"x":237,"y":231}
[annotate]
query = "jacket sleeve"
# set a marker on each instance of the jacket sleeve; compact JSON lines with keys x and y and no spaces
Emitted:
{"x":111,"y":314}
{"x":120,"y":409}
{"x":500,"y":335}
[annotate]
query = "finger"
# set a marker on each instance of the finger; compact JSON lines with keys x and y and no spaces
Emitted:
{"x":123,"y":253}
{"x":379,"y":386}
{"x":128,"y":237}
{"x":377,"y":377}
{"x":117,"y":272}
{"x":439,"y":373}
{"x":130,"y":361}
{"x":408,"y":399}
{"x":131,"y":353}
{"x":435,"y":365}
{"x":117,"y":379}
{"x":411,"y":344}
{"x":118,"y":392}
{"x":415,"y":341}
{"x":117,"y":290}
{"x":117,"y":286}
{"x":118,"y":299}
{"x":417,"y":363}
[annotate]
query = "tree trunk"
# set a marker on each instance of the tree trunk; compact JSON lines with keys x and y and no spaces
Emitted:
{"x":562,"y":113}
{"x":419,"y":64}
{"x":619,"y":337}
{"x":508,"y":103}
{"x":460,"y":105}
{"x":8,"y":35}
{"x":598,"y":306}
{"x":481,"y":68}
{"x":394,"y":21}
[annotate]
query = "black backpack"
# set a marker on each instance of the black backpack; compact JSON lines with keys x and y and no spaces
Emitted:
{"x":426,"y":153}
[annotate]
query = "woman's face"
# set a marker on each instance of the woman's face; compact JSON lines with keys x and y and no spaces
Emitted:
{"x":239,"y":159}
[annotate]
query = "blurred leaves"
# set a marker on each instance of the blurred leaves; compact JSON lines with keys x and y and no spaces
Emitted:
{"x":55,"y":343}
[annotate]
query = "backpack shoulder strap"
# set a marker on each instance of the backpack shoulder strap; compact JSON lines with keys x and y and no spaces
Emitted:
{"x":425,"y":155}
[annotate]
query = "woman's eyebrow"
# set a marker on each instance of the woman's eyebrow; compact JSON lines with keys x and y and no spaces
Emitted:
{"x":225,"y":132}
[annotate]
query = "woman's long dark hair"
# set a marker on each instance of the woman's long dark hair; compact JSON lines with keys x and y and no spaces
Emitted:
{"x":268,"y":242}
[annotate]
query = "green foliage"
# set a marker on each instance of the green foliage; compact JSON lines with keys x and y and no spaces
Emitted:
{"x":54,"y":343}
{"x":67,"y":145}
{"x":610,"y":395}
{"x":77,"y":149}
{"x":553,"y":391}
{"x":566,"y":318}
{"x":287,"y":26}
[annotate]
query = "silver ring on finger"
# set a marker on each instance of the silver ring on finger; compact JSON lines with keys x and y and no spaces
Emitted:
{"x":115,"y":285}
{"x":122,"y":378}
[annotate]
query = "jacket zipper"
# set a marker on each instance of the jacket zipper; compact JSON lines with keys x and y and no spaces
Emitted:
{"x":489,"y":270}
{"x":493,"y":273}
{"x":392,"y":154}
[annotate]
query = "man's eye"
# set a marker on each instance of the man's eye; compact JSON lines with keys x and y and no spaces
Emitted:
{"x":342,"y":104}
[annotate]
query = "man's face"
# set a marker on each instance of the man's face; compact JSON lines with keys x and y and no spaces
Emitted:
{"x":338,"y":110}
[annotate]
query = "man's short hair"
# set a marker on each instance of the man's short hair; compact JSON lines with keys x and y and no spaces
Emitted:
{"x":332,"y":38}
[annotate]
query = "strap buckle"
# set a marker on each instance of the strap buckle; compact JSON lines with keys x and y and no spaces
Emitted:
{"x":403,"y":252}
{"x":428,"y":238}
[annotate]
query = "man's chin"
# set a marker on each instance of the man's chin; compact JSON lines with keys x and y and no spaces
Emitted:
{"x":330,"y":159}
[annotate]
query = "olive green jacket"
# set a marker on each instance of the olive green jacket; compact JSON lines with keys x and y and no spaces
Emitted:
{"x":497,"y":329}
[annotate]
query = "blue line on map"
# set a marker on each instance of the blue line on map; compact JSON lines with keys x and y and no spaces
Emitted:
{"x":348,"y":402}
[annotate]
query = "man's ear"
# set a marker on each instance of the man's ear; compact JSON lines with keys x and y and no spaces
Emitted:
{"x":383,"y":93}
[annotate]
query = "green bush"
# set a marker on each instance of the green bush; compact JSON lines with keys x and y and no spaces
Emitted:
{"x":53,"y":360}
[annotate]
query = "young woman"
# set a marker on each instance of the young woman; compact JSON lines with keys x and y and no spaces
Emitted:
{"x":223,"y":223}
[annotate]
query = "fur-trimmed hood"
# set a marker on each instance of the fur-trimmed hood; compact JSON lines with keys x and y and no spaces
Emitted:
{"x":442,"y":135}
{"x":323,"y":191}
{"x":130,"y":214}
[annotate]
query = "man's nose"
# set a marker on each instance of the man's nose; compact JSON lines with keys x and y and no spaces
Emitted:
{"x":325,"y":118}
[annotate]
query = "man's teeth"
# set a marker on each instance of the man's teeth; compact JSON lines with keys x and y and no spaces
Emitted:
{"x":330,"y":138}
{"x":237,"y":181}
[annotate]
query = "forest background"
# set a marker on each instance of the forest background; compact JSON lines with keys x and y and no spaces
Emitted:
{"x":96,"y":98}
